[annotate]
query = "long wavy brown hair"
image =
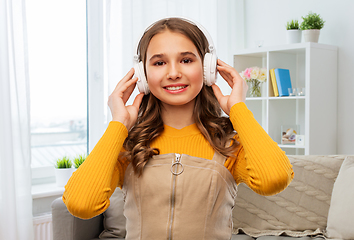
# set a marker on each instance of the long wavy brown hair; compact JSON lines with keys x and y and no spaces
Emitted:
{"x":208,"y":117}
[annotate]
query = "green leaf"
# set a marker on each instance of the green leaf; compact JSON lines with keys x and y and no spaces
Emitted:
{"x":312,"y":21}
{"x":64,"y":162}
{"x":293,"y":24}
{"x":79,"y":160}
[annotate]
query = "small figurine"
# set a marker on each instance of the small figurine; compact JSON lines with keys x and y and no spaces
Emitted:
{"x":289,"y":136}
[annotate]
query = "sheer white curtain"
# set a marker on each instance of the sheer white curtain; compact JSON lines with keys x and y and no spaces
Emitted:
{"x":126,"y":20}
{"x":15,"y":168}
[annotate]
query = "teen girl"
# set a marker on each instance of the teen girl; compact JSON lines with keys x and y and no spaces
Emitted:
{"x":176,"y":158}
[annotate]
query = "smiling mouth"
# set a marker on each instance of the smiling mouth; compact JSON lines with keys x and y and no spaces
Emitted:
{"x":175,"y":88}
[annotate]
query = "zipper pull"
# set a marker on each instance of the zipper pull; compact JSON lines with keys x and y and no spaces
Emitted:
{"x":178,"y":157}
{"x":174,"y":166}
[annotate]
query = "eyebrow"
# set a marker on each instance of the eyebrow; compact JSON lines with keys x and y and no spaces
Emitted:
{"x":187,"y":53}
{"x":160,"y":55}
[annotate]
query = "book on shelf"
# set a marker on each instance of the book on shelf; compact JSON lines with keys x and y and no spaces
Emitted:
{"x":274,"y":82}
{"x":283,"y":80}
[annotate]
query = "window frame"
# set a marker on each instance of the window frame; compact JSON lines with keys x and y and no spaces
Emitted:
{"x":97,"y":116}
{"x":95,"y":83}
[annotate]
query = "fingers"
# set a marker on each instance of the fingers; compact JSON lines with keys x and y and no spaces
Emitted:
{"x":220,"y":63}
{"x":125,"y":79}
{"x":125,"y":86}
{"x":119,"y":97}
{"x":236,"y":82}
{"x":226,"y":76}
{"x":129,"y":90}
{"x":217,"y":92}
{"x":138,"y":99}
{"x":128,"y":76}
{"x":229,"y":73}
{"x":227,"y":68}
{"x":221,"y":98}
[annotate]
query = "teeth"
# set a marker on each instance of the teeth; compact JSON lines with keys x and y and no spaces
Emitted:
{"x":175,"y":88}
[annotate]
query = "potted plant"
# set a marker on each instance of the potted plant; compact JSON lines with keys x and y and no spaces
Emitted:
{"x":293,"y":31}
{"x":311,"y":26}
{"x":79,"y":160}
{"x":63,"y":171}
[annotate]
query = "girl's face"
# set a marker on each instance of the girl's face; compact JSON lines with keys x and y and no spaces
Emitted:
{"x":174,"y":68}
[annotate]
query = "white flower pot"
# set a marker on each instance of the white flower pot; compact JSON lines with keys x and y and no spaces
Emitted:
{"x":62,"y":175}
{"x":293,"y":36}
{"x":311,"y":35}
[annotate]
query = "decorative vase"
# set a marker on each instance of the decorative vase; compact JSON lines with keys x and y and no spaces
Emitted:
{"x":293,"y":36}
{"x":254,"y":88}
{"x":311,"y":35}
{"x":62,"y":175}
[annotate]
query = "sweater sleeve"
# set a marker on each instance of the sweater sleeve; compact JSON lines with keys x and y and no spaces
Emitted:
{"x":260,"y":162}
{"x":88,"y":190}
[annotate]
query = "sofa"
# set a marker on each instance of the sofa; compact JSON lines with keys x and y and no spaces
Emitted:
{"x":318,"y":204}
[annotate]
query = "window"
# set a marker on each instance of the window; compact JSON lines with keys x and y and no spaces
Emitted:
{"x":58,"y":82}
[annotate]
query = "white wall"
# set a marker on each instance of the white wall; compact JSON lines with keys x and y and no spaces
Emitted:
{"x":265,"y":20}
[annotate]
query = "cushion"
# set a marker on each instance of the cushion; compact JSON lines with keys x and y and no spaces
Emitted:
{"x":300,"y":210}
{"x":341,"y":211}
{"x":114,"y":220}
{"x":241,"y":237}
{"x":287,"y":238}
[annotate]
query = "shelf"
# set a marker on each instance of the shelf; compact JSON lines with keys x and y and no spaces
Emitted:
{"x":290,"y":146}
{"x":274,"y":98}
{"x":312,"y":66}
{"x":288,"y":48}
{"x":255,"y":98}
{"x":286,"y":98}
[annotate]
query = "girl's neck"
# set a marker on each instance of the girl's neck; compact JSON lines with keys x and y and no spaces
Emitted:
{"x":178,"y":116}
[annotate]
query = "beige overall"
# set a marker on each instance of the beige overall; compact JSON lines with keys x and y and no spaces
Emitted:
{"x":180,"y":197}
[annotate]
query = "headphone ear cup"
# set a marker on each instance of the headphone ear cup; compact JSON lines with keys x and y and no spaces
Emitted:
{"x":141,"y":83}
{"x":210,"y":69}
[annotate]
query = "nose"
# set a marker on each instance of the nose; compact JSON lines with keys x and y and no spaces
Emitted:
{"x":173,"y":72}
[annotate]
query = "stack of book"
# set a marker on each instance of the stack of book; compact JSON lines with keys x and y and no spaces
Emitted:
{"x":281,"y":81}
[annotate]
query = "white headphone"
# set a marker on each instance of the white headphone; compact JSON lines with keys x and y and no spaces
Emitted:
{"x":209,"y":63}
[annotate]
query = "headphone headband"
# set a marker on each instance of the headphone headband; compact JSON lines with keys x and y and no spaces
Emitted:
{"x":205,"y":32}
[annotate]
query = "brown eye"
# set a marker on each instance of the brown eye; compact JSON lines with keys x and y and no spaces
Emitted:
{"x":159,"y":63}
{"x":187,"y":60}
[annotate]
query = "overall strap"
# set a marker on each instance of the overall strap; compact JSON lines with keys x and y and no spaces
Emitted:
{"x":219,"y":158}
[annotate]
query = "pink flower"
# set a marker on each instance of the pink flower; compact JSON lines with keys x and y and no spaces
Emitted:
{"x":247,"y":73}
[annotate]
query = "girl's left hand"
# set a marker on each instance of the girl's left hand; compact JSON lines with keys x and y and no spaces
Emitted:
{"x":235,"y":81}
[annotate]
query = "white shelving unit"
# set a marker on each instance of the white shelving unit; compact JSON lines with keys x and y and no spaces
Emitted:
{"x":311,"y":65}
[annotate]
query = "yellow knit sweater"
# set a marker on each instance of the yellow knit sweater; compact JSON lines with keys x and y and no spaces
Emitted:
{"x":259,"y":162}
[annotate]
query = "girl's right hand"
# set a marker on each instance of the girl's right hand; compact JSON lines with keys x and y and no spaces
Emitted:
{"x":127,"y":115}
